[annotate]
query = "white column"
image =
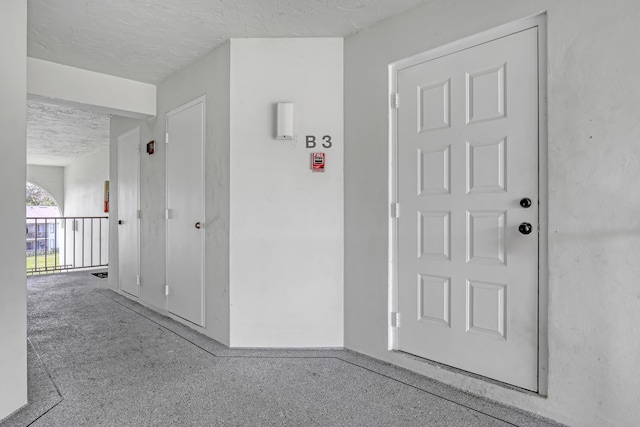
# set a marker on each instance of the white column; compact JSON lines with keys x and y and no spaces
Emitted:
{"x":13,"y":300}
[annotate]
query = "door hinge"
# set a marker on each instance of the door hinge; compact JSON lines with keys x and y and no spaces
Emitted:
{"x":395,"y":100}
{"x":166,"y":290}
{"x":138,"y":149}
{"x":138,"y":280}
{"x":138,"y":214}
{"x":395,"y":319}
{"x":166,"y":138}
{"x":395,"y":210}
{"x":166,"y":213}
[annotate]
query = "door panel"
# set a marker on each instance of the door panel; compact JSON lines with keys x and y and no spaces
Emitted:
{"x":467,"y":146}
{"x":128,"y":205}
{"x":185,"y":189}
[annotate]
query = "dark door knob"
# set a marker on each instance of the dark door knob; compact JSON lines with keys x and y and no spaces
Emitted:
{"x":119,"y":222}
{"x":525,"y":228}
{"x":198,"y":225}
{"x":525,"y":203}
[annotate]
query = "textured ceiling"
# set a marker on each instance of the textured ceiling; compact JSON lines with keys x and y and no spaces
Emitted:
{"x":58,"y":134}
{"x":148,"y":40}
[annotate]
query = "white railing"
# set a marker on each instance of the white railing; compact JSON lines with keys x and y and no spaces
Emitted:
{"x":66,"y":243}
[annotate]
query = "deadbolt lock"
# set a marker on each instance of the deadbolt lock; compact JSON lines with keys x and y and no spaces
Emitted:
{"x":525,"y":203}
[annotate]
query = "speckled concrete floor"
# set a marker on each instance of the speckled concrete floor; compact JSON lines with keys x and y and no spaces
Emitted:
{"x":99,"y":359}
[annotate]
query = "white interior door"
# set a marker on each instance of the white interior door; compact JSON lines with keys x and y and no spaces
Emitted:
{"x":467,"y":155}
{"x":185,"y":209}
{"x":128,"y":206}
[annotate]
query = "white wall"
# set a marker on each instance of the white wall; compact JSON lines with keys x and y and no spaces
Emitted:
{"x":95,"y":91}
{"x":286,"y":222}
{"x":118,"y":127}
{"x":594,"y":229}
{"x":208,"y":76}
{"x":13,"y":304}
{"x":84,"y":197}
{"x":84,"y":185}
{"x":50,"y":178}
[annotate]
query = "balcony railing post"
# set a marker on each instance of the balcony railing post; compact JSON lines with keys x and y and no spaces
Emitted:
{"x":83,"y":227}
{"x":100,"y":247}
{"x":56,"y":255}
{"x":46,"y":243}
{"x":66,"y":228}
{"x":92,"y":242}
{"x":35,"y":243}
{"x":72,"y":236}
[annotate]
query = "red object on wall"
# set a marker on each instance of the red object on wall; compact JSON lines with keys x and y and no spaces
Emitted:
{"x":106,"y":197}
{"x":317,"y":162}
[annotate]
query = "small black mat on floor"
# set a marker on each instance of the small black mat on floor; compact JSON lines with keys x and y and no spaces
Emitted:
{"x":101,"y":275}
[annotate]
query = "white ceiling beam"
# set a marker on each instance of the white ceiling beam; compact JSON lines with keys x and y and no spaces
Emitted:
{"x":94,"y":91}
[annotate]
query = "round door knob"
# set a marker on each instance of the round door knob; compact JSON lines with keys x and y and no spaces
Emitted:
{"x":525,"y":228}
{"x":119,"y":222}
{"x":525,"y":203}
{"x":198,"y":225}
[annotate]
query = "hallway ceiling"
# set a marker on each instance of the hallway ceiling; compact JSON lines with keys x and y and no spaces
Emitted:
{"x":148,"y":40}
{"x":58,"y":134}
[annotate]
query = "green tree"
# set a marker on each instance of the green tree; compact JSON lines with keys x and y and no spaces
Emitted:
{"x":36,"y":196}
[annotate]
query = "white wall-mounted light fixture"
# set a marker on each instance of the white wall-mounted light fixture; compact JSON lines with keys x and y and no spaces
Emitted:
{"x":284,"y":120}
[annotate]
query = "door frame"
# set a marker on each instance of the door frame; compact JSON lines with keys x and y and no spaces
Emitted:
{"x":538,"y":21}
{"x":203,"y":315}
{"x":125,"y":135}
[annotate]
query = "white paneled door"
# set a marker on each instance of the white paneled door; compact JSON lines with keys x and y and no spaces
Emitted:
{"x":467,"y":186}
{"x":185,"y":211}
{"x":128,"y":206}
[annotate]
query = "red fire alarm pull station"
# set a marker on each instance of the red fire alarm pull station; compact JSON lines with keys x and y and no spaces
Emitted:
{"x":151,"y":145}
{"x":317,"y":162}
